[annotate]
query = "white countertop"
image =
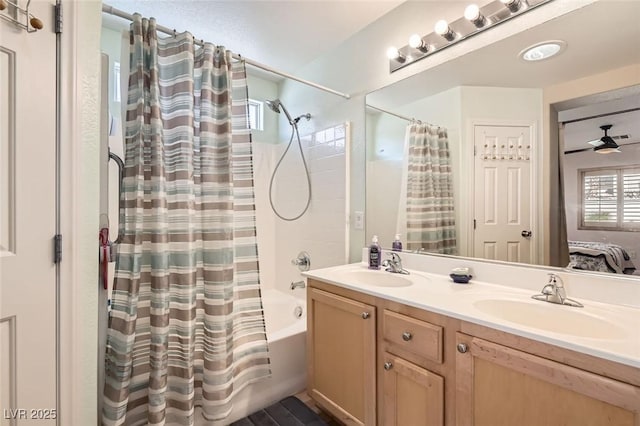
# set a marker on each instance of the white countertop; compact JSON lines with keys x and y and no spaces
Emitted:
{"x":437,"y":293}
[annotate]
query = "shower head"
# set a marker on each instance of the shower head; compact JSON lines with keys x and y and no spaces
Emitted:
{"x":275,"y":106}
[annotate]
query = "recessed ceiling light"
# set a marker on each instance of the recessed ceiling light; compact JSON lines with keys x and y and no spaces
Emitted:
{"x":543,"y":50}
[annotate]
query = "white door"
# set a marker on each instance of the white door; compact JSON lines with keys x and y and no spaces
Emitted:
{"x":27,"y":218}
{"x":502,"y":188}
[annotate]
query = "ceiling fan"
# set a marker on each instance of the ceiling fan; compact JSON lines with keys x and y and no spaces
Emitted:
{"x":605,"y":145}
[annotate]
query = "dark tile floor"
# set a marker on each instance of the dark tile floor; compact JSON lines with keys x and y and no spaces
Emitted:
{"x":302,"y":396}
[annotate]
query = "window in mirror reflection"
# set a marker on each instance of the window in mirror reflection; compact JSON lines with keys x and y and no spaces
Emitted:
{"x":610,"y":198}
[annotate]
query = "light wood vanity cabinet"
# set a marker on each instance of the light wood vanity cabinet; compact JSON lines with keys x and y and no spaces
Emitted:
{"x":341,"y":353}
{"x":498,"y":385}
{"x":412,"y":395}
{"x":406,"y":366}
{"x":410,"y":348}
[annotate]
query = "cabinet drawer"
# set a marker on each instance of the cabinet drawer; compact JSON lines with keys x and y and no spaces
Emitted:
{"x":412,"y":335}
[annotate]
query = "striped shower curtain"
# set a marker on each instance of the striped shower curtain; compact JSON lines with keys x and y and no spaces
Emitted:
{"x":430,"y":209}
{"x":186,"y":328}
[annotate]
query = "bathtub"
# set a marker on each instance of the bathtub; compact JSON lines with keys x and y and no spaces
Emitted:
{"x":286,"y":321}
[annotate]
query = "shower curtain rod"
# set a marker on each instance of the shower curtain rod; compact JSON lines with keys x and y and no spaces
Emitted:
{"x":124,"y":15}
{"x":412,"y":120}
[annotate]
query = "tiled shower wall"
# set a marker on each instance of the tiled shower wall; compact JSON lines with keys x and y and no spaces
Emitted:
{"x":322,"y":231}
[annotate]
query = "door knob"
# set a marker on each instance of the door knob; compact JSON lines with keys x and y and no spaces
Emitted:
{"x":365,"y":315}
{"x":406,"y":336}
{"x":526,"y":234}
{"x":462,"y":348}
{"x":388,"y":365}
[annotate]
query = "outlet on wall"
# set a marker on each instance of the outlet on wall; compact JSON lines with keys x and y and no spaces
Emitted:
{"x":358,"y":220}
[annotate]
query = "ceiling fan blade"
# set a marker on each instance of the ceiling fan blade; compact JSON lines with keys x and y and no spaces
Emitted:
{"x":620,"y":137}
{"x":596,"y":142}
{"x":574,"y":151}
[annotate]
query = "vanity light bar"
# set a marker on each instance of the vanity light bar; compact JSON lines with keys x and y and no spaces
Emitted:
{"x":476,"y":20}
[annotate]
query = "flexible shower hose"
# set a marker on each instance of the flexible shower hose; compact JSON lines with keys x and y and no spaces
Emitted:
{"x":294,"y":131}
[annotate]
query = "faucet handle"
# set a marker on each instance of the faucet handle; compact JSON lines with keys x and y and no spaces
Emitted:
{"x":395,"y":257}
{"x":555,"y":280}
{"x":303,"y":261}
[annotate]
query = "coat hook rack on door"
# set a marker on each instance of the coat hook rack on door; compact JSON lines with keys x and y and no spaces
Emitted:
{"x":11,"y":11}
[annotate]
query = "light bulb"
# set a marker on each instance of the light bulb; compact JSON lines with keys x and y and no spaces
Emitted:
{"x":415,"y":41}
{"x":472,"y":12}
{"x":392,"y":52}
{"x":442,"y":27}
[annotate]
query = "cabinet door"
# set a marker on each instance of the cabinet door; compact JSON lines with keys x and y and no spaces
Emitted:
{"x":497,"y":385}
{"x":341,"y":356}
{"x":412,"y":395}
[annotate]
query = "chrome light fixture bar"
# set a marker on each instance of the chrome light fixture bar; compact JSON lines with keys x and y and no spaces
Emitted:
{"x":476,"y":19}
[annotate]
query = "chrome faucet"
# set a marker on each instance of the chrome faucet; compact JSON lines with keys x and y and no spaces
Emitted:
{"x":554,"y":292}
{"x":394,"y":264}
{"x":297,"y":284}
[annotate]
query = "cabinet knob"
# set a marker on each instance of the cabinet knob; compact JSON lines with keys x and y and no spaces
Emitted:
{"x":388,"y":365}
{"x":462,"y":348}
{"x":365,"y":315}
{"x":406,"y":336}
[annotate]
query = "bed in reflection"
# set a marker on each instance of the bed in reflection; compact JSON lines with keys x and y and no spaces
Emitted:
{"x":601,"y":257}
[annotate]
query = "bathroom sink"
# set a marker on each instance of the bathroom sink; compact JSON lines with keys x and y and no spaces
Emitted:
{"x":550,"y":317}
{"x":381,"y":278}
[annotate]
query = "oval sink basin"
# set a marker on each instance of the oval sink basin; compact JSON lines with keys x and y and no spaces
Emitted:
{"x":550,"y":317}
{"x":380,"y":278}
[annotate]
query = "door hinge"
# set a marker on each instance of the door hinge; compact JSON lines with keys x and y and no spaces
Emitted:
{"x":474,"y":151}
{"x":474,"y":224}
{"x":57,"y":248}
{"x":58,"y":18}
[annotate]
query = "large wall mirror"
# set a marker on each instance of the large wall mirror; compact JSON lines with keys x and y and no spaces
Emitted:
{"x":485,"y":156}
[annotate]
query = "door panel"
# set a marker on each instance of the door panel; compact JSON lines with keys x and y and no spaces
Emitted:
{"x":412,"y":395}
{"x":7,"y":150}
{"x":341,"y":356}
{"x":27,"y":222}
{"x":502,"y":188}
{"x":498,"y":385}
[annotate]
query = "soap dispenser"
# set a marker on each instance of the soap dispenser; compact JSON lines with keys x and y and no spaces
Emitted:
{"x":397,"y":244}
{"x":375,"y":253}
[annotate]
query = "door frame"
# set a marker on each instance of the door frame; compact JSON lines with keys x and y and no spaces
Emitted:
{"x":536,"y":201}
{"x":79,"y":212}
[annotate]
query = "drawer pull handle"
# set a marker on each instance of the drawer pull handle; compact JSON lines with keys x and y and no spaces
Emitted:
{"x":462,"y":348}
{"x":365,"y":315}
{"x":406,"y":336}
{"x":388,"y":365}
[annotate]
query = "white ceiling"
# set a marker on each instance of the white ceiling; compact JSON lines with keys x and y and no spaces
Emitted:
{"x":285,"y":35}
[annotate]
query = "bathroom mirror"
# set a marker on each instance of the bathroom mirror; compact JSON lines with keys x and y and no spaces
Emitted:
{"x":515,"y":156}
